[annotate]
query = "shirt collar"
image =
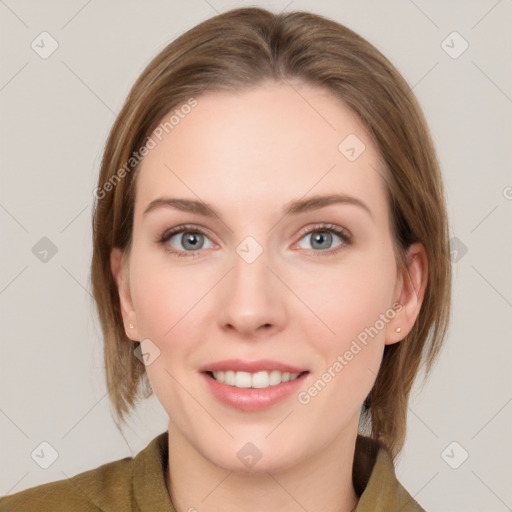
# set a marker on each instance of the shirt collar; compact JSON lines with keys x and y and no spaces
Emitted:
{"x":375,"y":481}
{"x":149,"y":487}
{"x":373,"y":477}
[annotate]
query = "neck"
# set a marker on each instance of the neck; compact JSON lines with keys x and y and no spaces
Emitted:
{"x":322,"y":482}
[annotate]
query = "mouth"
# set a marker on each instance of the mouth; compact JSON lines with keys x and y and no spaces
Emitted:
{"x":253,"y":391}
{"x":257,"y":380}
{"x":252,"y":385}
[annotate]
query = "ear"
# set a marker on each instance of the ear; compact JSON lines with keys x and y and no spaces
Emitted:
{"x":120,"y":271}
{"x":408,"y":294}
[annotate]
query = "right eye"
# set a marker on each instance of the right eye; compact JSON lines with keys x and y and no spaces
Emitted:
{"x":184,"y":241}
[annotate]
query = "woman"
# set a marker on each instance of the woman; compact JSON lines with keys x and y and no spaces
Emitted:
{"x":270,"y":258}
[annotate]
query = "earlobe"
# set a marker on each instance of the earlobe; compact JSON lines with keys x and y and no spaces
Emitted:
{"x":409,"y":293}
{"x":119,"y":268}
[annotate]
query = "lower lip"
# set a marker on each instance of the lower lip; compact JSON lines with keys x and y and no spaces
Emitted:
{"x":252,"y":399}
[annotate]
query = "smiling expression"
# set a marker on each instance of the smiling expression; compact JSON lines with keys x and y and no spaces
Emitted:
{"x":256,"y":238}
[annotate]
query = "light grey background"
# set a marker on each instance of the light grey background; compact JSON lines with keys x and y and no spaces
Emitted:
{"x":55,"y":117}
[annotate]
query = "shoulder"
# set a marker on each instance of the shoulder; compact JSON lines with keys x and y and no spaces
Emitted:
{"x":101,"y":488}
{"x":125,"y":484}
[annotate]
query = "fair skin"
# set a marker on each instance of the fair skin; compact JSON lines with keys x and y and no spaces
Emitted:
{"x":248,"y":155}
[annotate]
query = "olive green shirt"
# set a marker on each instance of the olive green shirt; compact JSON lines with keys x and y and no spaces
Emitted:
{"x":138,"y":484}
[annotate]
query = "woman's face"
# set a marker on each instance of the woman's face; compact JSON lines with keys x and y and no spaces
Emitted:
{"x":273,"y":277}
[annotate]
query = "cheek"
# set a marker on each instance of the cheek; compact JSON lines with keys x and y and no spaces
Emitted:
{"x":352,"y":306}
{"x":349,"y":297}
{"x":161,"y":295}
{"x":172,"y":307}
{"x":171,"y":314}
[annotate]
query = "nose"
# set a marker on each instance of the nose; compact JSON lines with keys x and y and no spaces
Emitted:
{"x":251,"y":299}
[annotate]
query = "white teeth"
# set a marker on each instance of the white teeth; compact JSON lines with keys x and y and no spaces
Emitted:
{"x":253,"y":380}
{"x":229,"y":377}
{"x":242,"y":380}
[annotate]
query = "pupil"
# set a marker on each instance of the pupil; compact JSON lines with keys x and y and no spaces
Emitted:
{"x":322,"y":236}
{"x":191,"y":240}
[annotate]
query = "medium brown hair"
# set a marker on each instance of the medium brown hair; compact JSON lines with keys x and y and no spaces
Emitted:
{"x":240,"y":49}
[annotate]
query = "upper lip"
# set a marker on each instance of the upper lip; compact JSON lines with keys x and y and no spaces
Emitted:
{"x":250,"y":366}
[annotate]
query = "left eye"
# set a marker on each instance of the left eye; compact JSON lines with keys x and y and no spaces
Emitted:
{"x":322,"y":238}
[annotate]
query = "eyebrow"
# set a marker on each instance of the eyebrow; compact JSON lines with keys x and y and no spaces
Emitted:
{"x":292,"y":208}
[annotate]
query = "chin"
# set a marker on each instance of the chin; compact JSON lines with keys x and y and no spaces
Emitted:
{"x":253,"y":457}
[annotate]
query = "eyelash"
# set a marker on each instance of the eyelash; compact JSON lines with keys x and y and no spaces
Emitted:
{"x":343,"y":234}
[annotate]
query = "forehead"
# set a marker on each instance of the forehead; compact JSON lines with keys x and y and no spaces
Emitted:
{"x":266,"y":145}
